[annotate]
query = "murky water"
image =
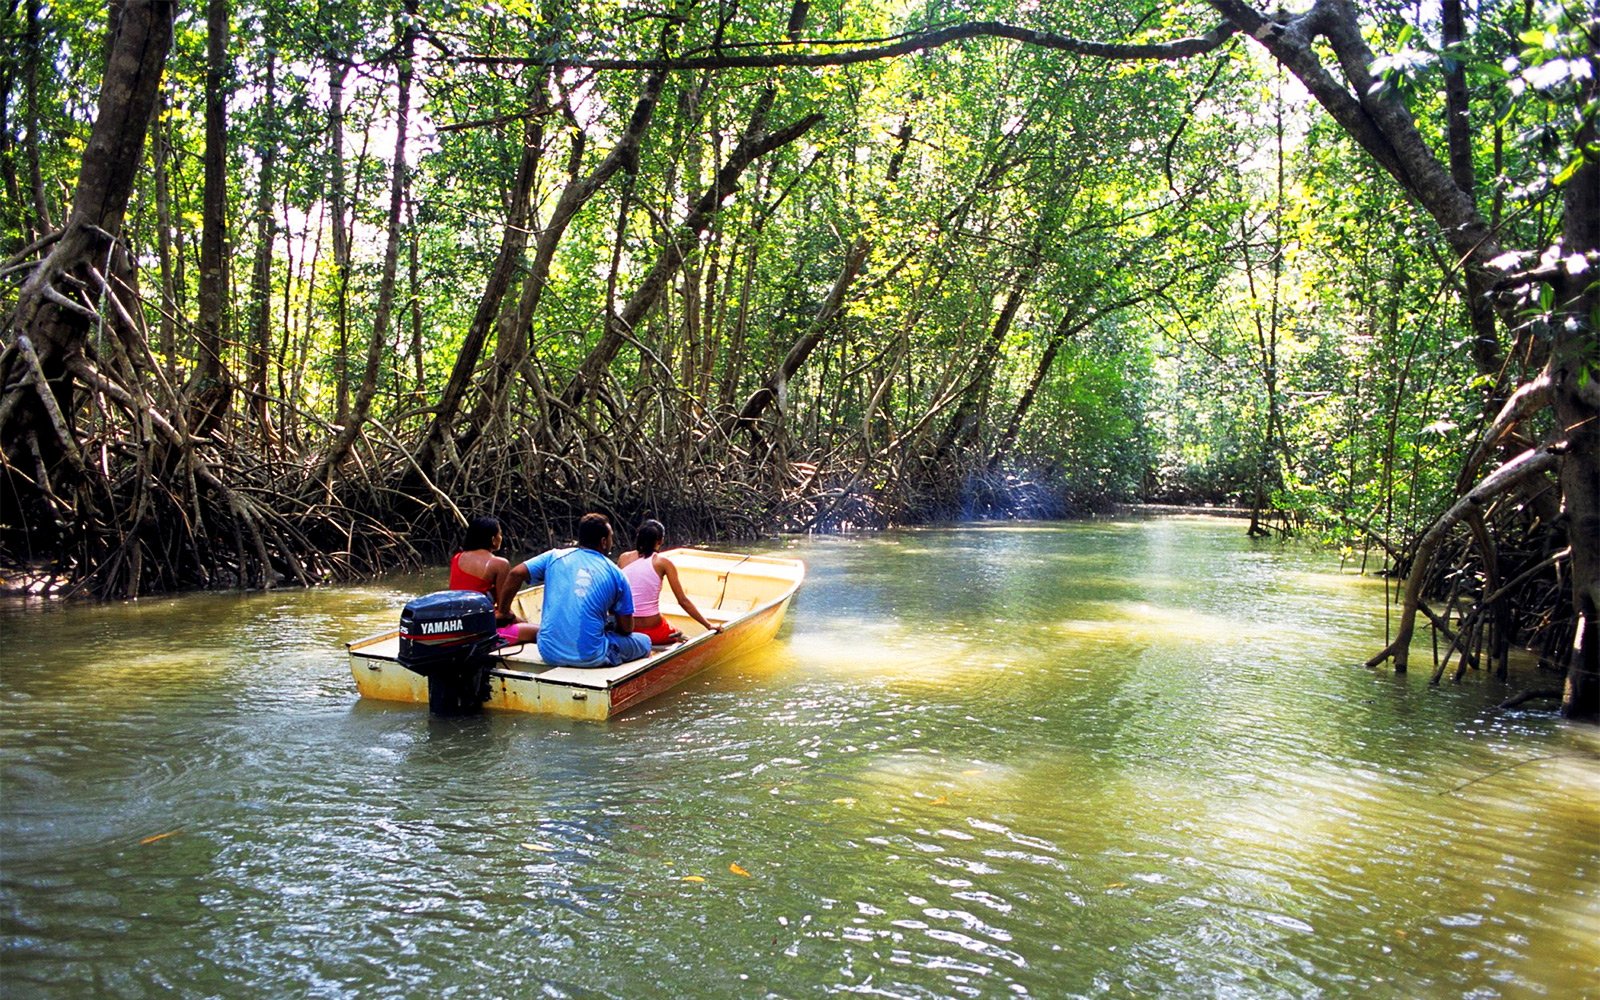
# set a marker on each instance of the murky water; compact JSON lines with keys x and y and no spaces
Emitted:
{"x":1127,"y":759}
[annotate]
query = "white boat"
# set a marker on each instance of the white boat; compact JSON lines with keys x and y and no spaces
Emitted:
{"x":746,"y":594}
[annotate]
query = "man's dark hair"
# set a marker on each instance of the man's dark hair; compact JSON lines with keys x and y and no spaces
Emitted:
{"x":480,"y":533}
{"x":592,"y":531}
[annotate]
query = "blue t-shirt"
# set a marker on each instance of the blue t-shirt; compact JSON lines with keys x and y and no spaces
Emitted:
{"x":581,"y":587}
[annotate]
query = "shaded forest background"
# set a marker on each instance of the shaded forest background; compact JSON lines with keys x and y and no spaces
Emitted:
{"x":801,"y":266}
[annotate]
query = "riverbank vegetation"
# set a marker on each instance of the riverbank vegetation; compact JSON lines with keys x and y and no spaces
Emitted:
{"x":290,"y":286}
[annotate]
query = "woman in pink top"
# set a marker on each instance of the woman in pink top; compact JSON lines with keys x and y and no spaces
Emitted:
{"x":645,"y":568}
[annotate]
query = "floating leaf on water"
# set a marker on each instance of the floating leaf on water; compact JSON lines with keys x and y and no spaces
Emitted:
{"x":691,"y":878}
{"x":542,"y":848}
{"x":1117,"y":885}
{"x":942,"y":800}
{"x":738,"y":871}
{"x":160,"y":836}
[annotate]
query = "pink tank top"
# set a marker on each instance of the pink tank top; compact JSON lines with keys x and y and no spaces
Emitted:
{"x":646,"y":584}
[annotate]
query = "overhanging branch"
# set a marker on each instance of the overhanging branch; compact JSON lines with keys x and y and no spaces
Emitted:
{"x":850,"y":51}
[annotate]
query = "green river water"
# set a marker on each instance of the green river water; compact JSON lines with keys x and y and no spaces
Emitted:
{"x":1118,"y":758}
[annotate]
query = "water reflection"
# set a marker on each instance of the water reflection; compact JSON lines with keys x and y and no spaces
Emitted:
{"x":1129,"y":758}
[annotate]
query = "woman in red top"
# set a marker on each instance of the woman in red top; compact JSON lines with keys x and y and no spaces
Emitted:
{"x":476,"y":567}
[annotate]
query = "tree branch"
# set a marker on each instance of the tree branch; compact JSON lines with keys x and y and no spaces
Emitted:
{"x":1531,"y":398}
{"x":862,"y":50}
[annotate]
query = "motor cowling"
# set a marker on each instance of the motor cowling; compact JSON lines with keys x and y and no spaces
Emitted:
{"x":448,"y":637}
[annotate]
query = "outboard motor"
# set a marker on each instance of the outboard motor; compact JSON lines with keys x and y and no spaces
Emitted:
{"x":448,"y":637}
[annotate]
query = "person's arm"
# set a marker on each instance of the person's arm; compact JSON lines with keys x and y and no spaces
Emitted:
{"x":499,"y":569}
{"x":671,"y":573}
{"x":515,"y":577}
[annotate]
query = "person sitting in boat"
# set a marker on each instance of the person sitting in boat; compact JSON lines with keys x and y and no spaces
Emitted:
{"x":582,"y":586}
{"x":646,"y":568}
{"x":477,"y":568}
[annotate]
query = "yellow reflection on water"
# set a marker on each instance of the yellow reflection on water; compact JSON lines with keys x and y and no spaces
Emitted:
{"x":936,"y":773}
{"x":893,"y":652}
{"x":933,"y":783}
{"x":1148,"y":624}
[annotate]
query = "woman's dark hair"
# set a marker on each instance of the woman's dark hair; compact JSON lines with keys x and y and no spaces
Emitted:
{"x":480,"y":533}
{"x":592,"y":530}
{"x":648,"y":538}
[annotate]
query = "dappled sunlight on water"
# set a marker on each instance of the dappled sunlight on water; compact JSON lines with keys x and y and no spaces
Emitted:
{"x":1129,"y":758}
{"x":894,"y":653}
{"x":1141,"y":624}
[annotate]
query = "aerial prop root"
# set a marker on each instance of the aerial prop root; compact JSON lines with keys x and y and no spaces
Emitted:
{"x":1532,"y":463}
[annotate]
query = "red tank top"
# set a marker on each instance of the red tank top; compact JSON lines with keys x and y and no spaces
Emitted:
{"x":460,"y":579}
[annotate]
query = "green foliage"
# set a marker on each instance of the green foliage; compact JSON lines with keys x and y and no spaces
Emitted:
{"x":1093,"y":426}
{"x":1188,"y":328}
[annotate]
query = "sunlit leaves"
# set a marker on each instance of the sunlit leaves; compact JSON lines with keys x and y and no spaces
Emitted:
{"x":963,"y":172}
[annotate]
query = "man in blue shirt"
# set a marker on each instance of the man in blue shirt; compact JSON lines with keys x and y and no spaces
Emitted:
{"x":581,"y":587}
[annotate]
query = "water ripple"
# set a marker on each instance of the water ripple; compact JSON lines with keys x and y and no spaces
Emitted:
{"x":1098,"y":770}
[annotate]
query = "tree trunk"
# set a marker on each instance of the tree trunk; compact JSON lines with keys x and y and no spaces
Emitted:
{"x":823,"y":323}
{"x":105,"y":183}
{"x":832,"y":306}
{"x":1458,"y":132}
{"x":210,"y":390}
{"x":261,"y":273}
{"x":733,"y":369}
{"x":1576,"y":401}
{"x":33,"y":49}
{"x":513,"y":331}
{"x":384,"y":309}
{"x":48,"y":310}
{"x":756,"y":143}
{"x":1065,"y":330}
{"x":338,"y":68}
{"x":1269,"y":473}
{"x":963,"y":423}
{"x":513,"y":241}
{"x":8,"y":157}
{"x":419,"y":385}
{"x":164,"y":250}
